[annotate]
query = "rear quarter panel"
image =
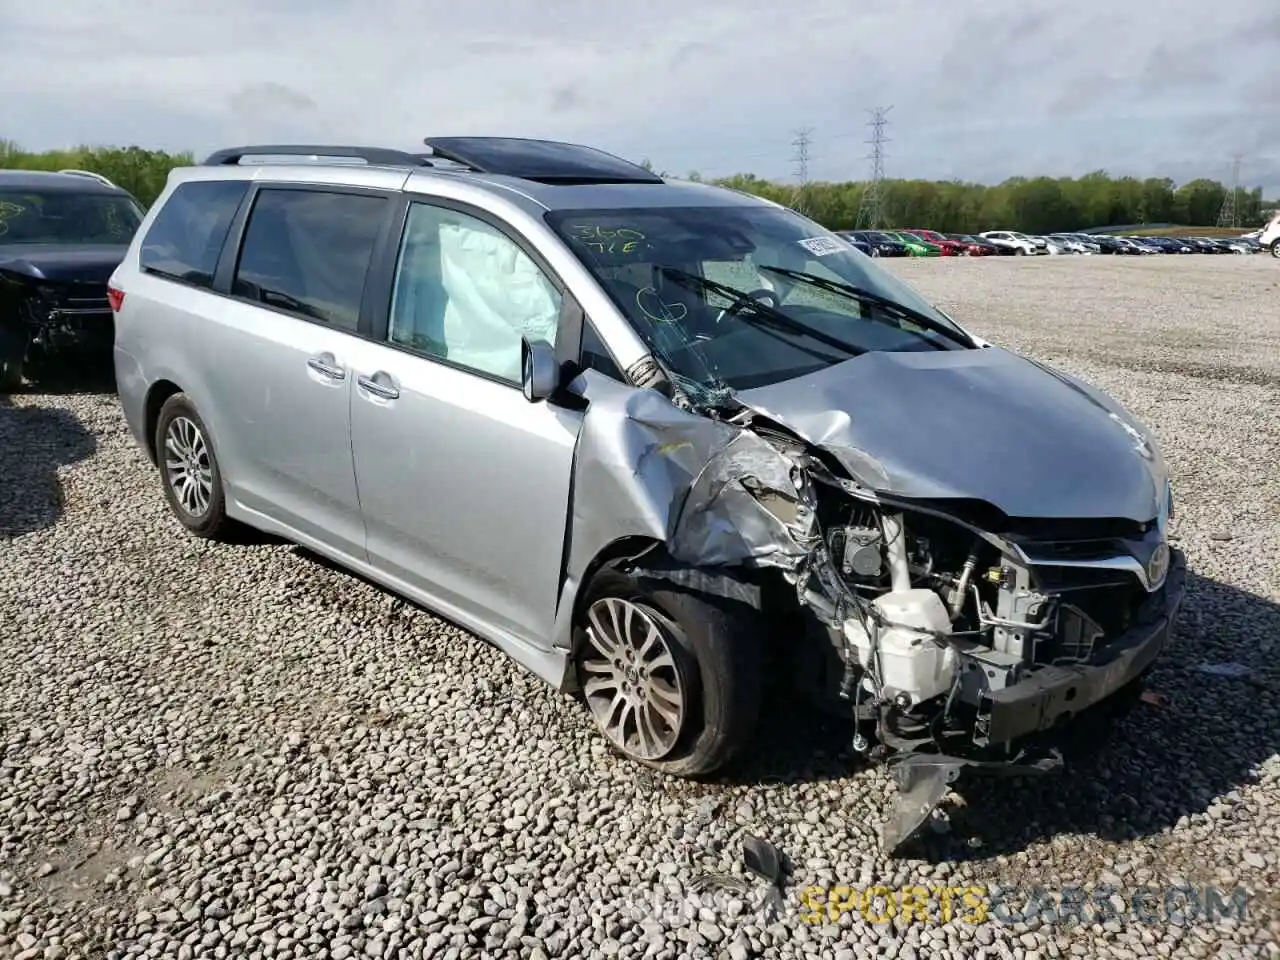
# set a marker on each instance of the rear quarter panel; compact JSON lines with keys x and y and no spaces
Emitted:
{"x":160,"y":336}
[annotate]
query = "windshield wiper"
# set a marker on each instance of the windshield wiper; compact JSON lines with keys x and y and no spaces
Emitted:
{"x":866,"y":296}
{"x":759,"y":312}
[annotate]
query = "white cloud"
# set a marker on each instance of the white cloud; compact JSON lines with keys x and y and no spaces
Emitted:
{"x":981,"y":91}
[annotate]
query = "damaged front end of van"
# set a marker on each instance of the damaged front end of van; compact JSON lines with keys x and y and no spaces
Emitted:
{"x":977,"y":544}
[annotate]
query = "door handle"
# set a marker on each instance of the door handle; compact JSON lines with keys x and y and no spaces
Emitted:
{"x":383,"y":391}
{"x":327,"y":366}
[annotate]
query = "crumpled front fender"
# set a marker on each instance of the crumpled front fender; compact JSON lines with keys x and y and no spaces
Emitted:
{"x":715,"y":493}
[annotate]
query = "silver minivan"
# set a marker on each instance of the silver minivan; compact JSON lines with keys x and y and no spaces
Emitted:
{"x":658,"y":441}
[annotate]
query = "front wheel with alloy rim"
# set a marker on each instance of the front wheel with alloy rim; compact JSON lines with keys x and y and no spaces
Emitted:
{"x":189,"y":470}
{"x":672,"y":680}
{"x":1275,"y":249}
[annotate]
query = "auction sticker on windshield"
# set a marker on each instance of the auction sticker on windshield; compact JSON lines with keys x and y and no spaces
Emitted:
{"x":821,"y":246}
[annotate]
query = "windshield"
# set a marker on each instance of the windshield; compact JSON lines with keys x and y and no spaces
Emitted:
{"x":681,"y":275}
{"x":66,"y":217}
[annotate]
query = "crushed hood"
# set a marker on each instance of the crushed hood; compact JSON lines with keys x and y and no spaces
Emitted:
{"x":93,"y":263}
{"x":980,"y":424}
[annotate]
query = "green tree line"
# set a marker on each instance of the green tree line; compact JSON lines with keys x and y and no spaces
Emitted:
{"x":1033,"y":204}
{"x":141,"y":172}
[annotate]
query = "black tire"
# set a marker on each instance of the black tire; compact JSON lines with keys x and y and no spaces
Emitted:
{"x":211,"y":522}
{"x":718,"y":653}
{"x":1021,"y":251}
{"x":1275,"y":249}
{"x":13,"y":349}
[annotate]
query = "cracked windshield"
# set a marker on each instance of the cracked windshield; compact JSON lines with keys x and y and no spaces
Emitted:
{"x":742,"y":297}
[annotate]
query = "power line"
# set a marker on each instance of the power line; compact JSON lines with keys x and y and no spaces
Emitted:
{"x":802,"y":142}
{"x":1229,"y":215}
{"x":871,"y":209}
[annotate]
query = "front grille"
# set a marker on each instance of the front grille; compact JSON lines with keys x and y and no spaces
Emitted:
{"x":1095,"y":607}
{"x":1074,"y":549}
{"x":1045,"y":531}
{"x":76,"y":303}
{"x":84,"y":304}
{"x":83,"y":297}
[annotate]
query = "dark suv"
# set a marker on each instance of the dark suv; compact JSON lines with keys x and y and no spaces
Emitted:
{"x":61,"y":236}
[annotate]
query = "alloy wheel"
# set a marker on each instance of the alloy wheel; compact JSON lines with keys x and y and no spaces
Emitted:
{"x":631,"y":680}
{"x":187,"y":466}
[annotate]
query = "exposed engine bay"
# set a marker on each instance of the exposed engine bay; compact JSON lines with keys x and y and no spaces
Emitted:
{"x":956,"y":642}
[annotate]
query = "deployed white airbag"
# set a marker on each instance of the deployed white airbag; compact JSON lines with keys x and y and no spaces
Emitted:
{"x":496,"y":295}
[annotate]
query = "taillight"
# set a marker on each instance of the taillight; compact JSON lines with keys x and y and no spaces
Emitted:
{"x":115,"y":296}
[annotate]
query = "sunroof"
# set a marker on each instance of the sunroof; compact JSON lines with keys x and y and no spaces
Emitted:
{"x":544,"y":160}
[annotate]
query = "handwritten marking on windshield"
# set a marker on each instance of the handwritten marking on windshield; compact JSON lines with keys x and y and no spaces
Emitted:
{"x":671,"y":312}
{"x":607,"y":239}
{"x":9,"y":211}
{"x":821,"y":246}
{"x":115,"y":227}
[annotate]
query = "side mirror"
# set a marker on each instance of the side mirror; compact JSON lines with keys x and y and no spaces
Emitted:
{"x":539,"y":369}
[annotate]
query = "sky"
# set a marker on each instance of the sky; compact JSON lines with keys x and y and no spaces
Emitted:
{"x":980,"y":90}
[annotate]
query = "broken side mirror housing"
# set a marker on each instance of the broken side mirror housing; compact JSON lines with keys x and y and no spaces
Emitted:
{"x":539,"y":369}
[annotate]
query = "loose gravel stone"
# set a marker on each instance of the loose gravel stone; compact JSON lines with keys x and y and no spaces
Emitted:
{"x":237,"y":751}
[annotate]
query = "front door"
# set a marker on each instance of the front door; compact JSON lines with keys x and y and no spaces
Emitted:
{"x":464,"y":484}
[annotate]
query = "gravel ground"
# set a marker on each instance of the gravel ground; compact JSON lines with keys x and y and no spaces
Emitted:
{"x":240,"y":752}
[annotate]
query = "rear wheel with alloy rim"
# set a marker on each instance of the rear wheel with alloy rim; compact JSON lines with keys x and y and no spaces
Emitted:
{"x":1275,"y":249}
{"x":189,"y":470}
{"x":671,"y":680}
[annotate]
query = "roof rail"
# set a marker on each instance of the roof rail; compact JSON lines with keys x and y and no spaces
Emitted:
{"x":371,"y":155}
{"x":89,"y":173}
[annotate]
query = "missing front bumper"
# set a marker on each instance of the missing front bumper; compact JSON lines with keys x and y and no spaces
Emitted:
{"x":1054,"y":694}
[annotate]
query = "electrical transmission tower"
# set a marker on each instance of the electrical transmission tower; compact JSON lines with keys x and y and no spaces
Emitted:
{"x":1229,"y":215}
{"x":802,"y":143}
{"x":871,"y":210}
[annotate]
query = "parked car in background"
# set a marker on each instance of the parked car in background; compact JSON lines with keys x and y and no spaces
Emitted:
{"x":1269,"y":238}
{"x":878,"y":244}
{"x":1170,"y":244}
{"x":947,"y":247}
{"x":916,"y":246}
{"x":1105,"y":243}
{"x":1075,"y":243}
{"x":1131,"y":248}
{"x":1018,"y":243}
{"x":1219,"y":245}
{"x":1213,"y":244}
{"x":860,"y":245}
{"x":61,"y":235}
{"x":660,"y":442}
{"x":976,"y":246}
{"x":1143,"y":245}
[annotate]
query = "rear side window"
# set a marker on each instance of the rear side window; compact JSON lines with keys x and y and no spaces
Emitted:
{"x":186,"y":237}
{"x":308,"y":251}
